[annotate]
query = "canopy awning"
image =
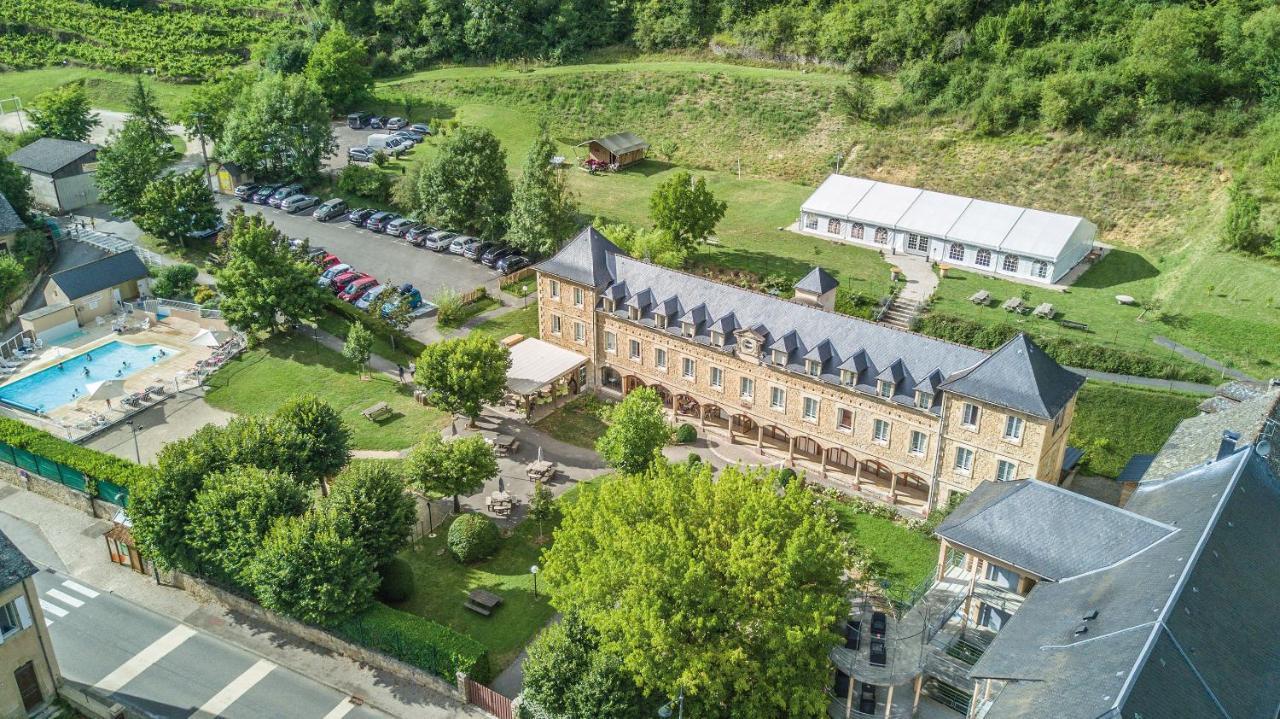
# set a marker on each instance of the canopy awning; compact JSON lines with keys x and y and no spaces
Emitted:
{"x":620,"y":143}
{"x":536,"y":364}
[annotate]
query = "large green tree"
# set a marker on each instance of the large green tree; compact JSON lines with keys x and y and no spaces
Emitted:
{"x":308,"y":570}
{"x":160,"y":500}
{"x":637,"y":431}
{"x":456,"y":467}
{"x":543,"y":214}
{"x":174,"y":206}
{"x":568,"y":677}
{"x":63,"y":113}
{"x":324,"y":440}
{"x":264,"y":284}
{"x":142,"y":106}
{"x":15,"y":185}
{"x":725,"y":588}
{"x":685,"y":210}
{"x":464,"y":374}
{"x":232,"y":514}
{"x":466,"y":184}
{"x":204,"y":111}
{"x":279,"y":128}
{"x":370,"y":505}
{"x":339,"y":66}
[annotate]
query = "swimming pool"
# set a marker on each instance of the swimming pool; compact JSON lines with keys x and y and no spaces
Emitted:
{"x":67,"y":381}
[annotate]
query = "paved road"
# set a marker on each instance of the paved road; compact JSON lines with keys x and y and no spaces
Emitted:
{"x":384,"y":257}
{"x":164,"y":669}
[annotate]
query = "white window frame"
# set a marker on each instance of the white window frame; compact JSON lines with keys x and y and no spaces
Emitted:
{"x":688,"y":368}
{"x":1040,"y":269}
{"x":834,"y":226}
{"x":660,"y":358}
{"x":811,"y":222}
{"x":777,"y":398}
{"x":579,"y":332}
{"x":556,"y":325}
{"x":1001,"y":465}
{"x":717,"y":378}
{"x":964,"y":415}
{"x":955,"y":249}
{"x":842,"y":412}
{"x":610,"y":343}
{"x":884,"y":389}
{"x":717,"y":338}
{"x":609,"y":304}
{"x":848,"y":377}
{"x":919,"y":443}
{"x":579,"y":299}
{"x":635,"y":351}
{"x":924,"y":400}
{"x":660,"y":321}
{"x":1014,"y":427}
{"x":814,"y":368}
{"x":555,"y":289}
{"x":746,"y":388}
{"x":1008,"y":260}
{"x":982,"y":258}
{"x":687,"y":329}
{"x":779,"y":353}
{"x":959,"y":467}
{"x":876,"y":426}
{"x":856,"y":230}
{"x":808,"y":402}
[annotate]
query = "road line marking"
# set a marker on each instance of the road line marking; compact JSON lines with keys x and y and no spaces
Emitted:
{"x":80,"y":588}
{"x":219,"y":702}
{"x":139,"y":662}
{"x":341,"y":710}
{"x":64,"y":598}
{"x":53,"y":609}
{"x":48,"y":622}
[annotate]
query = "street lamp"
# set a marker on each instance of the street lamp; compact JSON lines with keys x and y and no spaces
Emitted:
{"x":665,"y":710}
{"x":534,"y":571}
{"x":134,"y":428}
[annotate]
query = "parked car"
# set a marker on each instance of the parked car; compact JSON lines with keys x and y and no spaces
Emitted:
{"x":439,"y":241}
{"x":491,"y":258}
{"x":359,"y":217}
{"x":244,"y":193}
{"x":341,"y":281}
{"x":209,"y":233}
{"x":368,"y":298}
{"x":511,"y":263}
{"x":407,"y":138}
{"x":330,"y":209}
{"x":357,"y":120}
{"x":284,"y":193}
{"x":469,"y":246}
{"x":417,"y":234}
{"x":298,"y":203}
{"x":327,"y":276}
{"x":378,"y":122}
{"x":411,"y":134}
{"x":460,"y":243}
{"x":399,"y":226}
{"x":390,"y":144}
{"x":357,"y":288}
{"x":407,"y":294}
{"x":378,"y":222}
{"x":264,"y":193}
{"x":396,"y":123}
{"x":421,"y":128}
{"x":361,"y":153}
{"x":476,"y":251}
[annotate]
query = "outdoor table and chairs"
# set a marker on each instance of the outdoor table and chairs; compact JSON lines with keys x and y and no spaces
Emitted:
{"x":1013,"y":304}
{"x":503,"y":445}
{"x":981,"y":297}
{"x":482,"y":602}
{"x":500,"y":503}
{"x":542,"y":470}
{"x":1044,"y":310}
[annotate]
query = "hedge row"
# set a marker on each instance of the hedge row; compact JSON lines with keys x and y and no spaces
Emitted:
{"x":349,"y":311}
{"x":419,"y":642}
{"x":89,"y":462}
{"x":1065,"y":350}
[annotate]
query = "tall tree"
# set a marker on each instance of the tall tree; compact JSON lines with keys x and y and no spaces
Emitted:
{"x":466,"y":184}
{"x":174,"y":206}
{"x":637,"y":430}
{"x":160,"y":500}
{"x":370,"y":506}
{"x":670,"y":569}
{"x":203,"y":112}
{"x":130,"y":161}
{"x":542,"y":507}
{"x":567,"y":676}
{"x":15,"y":185}
{"x":543,"y":214}
{"x":339,"y":66}
{"x":141,"y":104}
{"x":264,"y":285}
{"x":457,"y":467}
{"x":359,"y":346}
{"x":308,"y":570}
{"x":685,"y":210}
{"x":279,"y":128}
{"x":63,"y":113}
{"x":325,"y":439}
{"x":232,"y":514}
{"x":462,"y":375}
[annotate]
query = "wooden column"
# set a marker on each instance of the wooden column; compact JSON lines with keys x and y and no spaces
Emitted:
{"x":915,"y":703}
{"x":893,"y":489}
{"x":824,"y":464}
{"x":791,"y":449}
{"x":888,"y":703}
{"x":848,"y":701}
{"x":857,"y":473}
{"x":942,"y":560}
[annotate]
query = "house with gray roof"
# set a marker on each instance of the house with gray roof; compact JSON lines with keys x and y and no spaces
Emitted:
{"x":26,"y":651}
{"x":61,"y":172}
{"x":10,"y":223}
{"x":96,"y":288}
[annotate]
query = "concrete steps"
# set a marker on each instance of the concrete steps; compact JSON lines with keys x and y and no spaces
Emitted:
{"x":901,"y":313}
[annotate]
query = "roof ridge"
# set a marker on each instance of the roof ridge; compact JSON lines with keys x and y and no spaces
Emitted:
{"x":1110,"y":507}
{"x":1163,"y":626}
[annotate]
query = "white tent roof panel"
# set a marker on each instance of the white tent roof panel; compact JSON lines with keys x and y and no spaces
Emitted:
{"x":1042,"y":234}
{"x":933,"y":213}
{"x":984,"y":224}
{"x":884,"y":204}
{"x":837,"y":195}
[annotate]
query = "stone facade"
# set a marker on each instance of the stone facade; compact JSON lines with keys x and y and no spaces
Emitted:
{"x":28,"y":643}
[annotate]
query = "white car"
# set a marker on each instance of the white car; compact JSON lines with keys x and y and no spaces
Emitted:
{"x":368,"y":298}
{"x":397,"y":123}
{"x":298,"y":203}
{"x":439,"y":241}
{"x":326,"y":277}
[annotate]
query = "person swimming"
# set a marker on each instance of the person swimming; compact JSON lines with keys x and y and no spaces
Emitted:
{"x":61,"y":368}
{"x":88,"y":356}
{"x":86,"y":371}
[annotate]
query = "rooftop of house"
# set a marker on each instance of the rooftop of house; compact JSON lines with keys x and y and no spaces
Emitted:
{"x":48,"y":155}
{"x":10,"y":222}
{"x":848,"y":351}
{"x":818,"y":282}
{"x":14,"y":565}
{"x":621,"y":143}
{"x":1184,"y":626}
{"x":100,"y":274}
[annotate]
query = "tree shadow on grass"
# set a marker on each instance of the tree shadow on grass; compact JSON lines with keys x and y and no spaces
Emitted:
{"x":1116,"y":268}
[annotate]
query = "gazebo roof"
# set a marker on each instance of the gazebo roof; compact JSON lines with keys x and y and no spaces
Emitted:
{"x":536,"y":364}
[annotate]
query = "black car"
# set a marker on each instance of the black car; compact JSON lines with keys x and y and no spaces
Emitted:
{"x":245,"y":192}
{"x":417,"y":235}
{"x":378,"y":222}
{"x":263,"y":194}
{"x":879,"y":624}
{"x":867,"y":699}
{"x":879,"y":655}
{"x":852,"y":634}
{"x":491,"y":258}
{"x":361,"y":216}
{"x":510,"y":264}
{"x":357,"y":120}
{"x":378,"y":122}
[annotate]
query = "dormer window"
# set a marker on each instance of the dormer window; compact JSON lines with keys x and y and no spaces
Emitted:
{"x":686,"y":329}
{"x":780,"y":357}
{"x":609,"y":304}
{"x":717,"y":339}
{"x":633,"y":313}
{"x":884,"y":388}
{"x":848,"y":377}
{"x":813,"y":367}
{"x":660,"y":321}
{"x":924,"y":400}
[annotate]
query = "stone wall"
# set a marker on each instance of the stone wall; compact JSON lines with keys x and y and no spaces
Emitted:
{"x":59,"y":493}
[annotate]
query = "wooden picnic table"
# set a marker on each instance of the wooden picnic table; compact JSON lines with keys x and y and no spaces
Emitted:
{"x":481,"y":601}
{"x":1013,"y":304}
{"x":1044,"y":310}
{"x":377,"y":412}
{"x":981,"y":297}
{"x":541,"y":469}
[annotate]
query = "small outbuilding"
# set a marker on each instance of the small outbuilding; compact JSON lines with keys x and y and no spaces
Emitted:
{"x":542,"y":373}
{"x":622,"y":149}
{"x":95,"y":288}
{"x":61,"y":172}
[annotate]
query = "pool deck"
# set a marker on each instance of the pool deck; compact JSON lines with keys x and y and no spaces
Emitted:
{"x":76,"y":420}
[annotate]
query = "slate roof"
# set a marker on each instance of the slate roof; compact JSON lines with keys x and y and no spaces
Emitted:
{"x":621,"y":143}
{"x":1184,"y":628}
{"x":9,"y":220}
{"x":818,"y":281}
{"x":14,"y":565}
{"x":100,"y":274}
{"x":1023,"y":524}
{"x":864,"y":348}
{"x":1019,"y":376}
{"x":48,"y":155}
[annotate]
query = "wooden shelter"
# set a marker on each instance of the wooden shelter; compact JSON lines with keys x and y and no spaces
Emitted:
{"x":622,"y":149}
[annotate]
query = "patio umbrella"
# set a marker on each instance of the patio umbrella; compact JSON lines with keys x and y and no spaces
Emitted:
{"x":502,"y":486}
{"x":208,"y":338}
{"x":106,"y":390}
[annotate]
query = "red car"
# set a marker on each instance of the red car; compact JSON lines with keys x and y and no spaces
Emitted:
{"x":328,"y":261}
{"x":357,"y":288}
{"x":340,"y":282}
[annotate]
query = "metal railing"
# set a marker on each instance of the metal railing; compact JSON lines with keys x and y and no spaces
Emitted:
{"x":886,"y":304}
{"x":115,"y":244}
{"x":155,"y":305}
{"x":11,"y":347}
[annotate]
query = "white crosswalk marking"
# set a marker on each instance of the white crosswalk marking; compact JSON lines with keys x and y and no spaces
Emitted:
{"x":65,"y":598}
{"x":139,"y":662}
{"x":54,"y":609}
{"x":219,"y":702}
{"x":80,"y":589}
{"x":48,"y":622}
{"x":341,"y":710}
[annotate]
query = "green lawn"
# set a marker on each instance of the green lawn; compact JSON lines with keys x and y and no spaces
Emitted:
{"x":469,"y":310}
{"x":106,"y":90}
{"x":577,"y":423}
{"x":339,"y":326}
{"x":260,"y":380}
{"x":899,"y":556}
{"x":1112,"y":423}
{"x":523,"y":321}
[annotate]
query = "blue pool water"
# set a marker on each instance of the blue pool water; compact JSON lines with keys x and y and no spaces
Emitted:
{"x":52,"y":387}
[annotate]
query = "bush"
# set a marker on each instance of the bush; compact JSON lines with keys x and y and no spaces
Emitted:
{"x":473,"y":537}
{"x":91,"y":463}
{"x":448,"y":306}
{"x":685,"y":434}
{"x":693,"y":460}
{"x":786,"y":476}
{"x":397,"y":581}
{"x":364,"y":181}
{"x":205,"y":296}
{"x":419,"y":642}
{"x":174,"y":282}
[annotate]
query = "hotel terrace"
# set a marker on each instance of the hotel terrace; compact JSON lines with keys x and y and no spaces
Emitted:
{"x":892,"y":415}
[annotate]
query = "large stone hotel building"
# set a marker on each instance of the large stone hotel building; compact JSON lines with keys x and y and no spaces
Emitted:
{"x":893,"y":415}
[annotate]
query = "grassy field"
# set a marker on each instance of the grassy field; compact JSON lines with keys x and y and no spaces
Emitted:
{"x":899,"y":556}
{"x":1113,"y":423}
{"x":523,"y":321}
{"x":577,"y":423}
{"x":260,"y":380}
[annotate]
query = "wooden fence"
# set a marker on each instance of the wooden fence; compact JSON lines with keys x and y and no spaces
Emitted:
{"x":468,"y":297}
{"x":488,"y":700}
{"x":517,"y":276}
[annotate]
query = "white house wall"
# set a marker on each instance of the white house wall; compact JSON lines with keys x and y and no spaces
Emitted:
{"x":43,"y":191}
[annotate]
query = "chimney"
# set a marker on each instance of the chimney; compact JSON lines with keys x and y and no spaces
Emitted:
{"x":1228,"y":445}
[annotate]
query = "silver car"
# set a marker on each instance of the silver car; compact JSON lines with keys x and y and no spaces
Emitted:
{"x":459,"y":244}
{"x":298,"y":203}
{"x":326,"y":277}
{"x":368,"y":298}
{"x":439,"y":241}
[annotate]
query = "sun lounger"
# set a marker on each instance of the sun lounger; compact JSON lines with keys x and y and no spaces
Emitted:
{"x":135,"y":399}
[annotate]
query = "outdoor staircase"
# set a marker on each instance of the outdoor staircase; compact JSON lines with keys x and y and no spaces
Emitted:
{"x":901,"y":312}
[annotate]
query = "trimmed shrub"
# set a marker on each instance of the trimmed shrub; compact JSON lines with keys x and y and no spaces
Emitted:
{"x":473,"y":537}
{"x":685,"y":434}
{"x":91,"y":463}
{"x":786,"y":476}
{"x":364,"y":181}
{"x":397,"y":581}
{"x":419,"y":642}
{"x":693,"y":460}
